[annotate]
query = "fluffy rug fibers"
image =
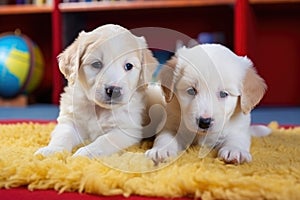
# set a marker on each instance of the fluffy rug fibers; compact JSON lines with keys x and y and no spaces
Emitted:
{"x":274,"y":172}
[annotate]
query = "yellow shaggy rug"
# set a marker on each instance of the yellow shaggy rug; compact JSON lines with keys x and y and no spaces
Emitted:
{"x":274,"y":172}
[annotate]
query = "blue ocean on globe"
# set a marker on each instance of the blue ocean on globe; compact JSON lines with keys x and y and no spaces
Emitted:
{"x":14,"y":64}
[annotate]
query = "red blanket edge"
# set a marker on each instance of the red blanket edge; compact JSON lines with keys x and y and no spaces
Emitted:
{"x":25,"y":194}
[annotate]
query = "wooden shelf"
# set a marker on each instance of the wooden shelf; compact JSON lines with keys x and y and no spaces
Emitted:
{"x":24,"y":9}
{"x":265,"y":30}
{"x":131,"y":5}
{"x":273,"y":1}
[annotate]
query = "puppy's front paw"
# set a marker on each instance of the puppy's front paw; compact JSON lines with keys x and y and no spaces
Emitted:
{"x":160,"y":154}
{"x":46,"y":151}
{"x":88,"y":152}
{"x":234,"y":155}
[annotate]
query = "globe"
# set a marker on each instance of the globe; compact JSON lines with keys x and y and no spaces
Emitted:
{"x":21,"y":65}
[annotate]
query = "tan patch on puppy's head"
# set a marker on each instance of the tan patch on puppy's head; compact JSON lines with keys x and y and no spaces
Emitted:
{"x":149,"y":64}
{"x":169,"y":76}
{"x":69,"y":59}
{"x":253,"y":89}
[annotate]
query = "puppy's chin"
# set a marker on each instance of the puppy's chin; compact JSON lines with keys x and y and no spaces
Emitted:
{"x":202,"y":132}
{"x":195,"y":129}
{"x":109,"y":104}
{"x":212,"y":130}
{"x":199,"y":131}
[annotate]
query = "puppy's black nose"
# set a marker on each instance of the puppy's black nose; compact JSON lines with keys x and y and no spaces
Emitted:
{"x":204,"y":123}
{"x":113,"y":91}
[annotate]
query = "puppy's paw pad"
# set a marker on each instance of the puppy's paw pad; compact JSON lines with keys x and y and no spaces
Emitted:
{"x":88,"y":152}
{"x":159,"y":155}
{"x":46,"y":151}
{"x":234,"y":155}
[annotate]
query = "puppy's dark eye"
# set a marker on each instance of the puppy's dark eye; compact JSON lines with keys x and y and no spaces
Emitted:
{"x":128,"y":66}
{"x":97,"y":65}
{"x":192,"y":91}
{"x":223,"y":94}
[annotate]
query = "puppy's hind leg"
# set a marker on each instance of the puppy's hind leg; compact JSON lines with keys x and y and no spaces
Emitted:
{"x":63,"y":138}
{"x":259,"y":130}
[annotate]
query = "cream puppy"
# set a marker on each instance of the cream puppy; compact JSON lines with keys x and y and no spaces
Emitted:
{"x":102,"y":107}
{"x":209,"y":94}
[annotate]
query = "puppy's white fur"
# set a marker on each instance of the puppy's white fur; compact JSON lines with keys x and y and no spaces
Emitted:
{"x":93,"y":65}
{"x":209,"y":82}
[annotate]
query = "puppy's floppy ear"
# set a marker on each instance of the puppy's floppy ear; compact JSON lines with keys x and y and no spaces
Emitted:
{"x":69,"y":59}
{"x":253,"y":89}
{"x":168,"y":78}
{"x":149,"y":62}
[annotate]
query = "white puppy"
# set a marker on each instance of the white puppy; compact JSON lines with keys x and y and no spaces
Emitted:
{"x":107,"y":70}
{"x":209,"y":94}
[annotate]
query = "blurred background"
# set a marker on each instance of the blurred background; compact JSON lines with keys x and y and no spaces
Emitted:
{"x":34,"y":32}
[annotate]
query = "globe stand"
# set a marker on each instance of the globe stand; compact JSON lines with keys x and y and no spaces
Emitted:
{"x":18,"y":101}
